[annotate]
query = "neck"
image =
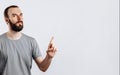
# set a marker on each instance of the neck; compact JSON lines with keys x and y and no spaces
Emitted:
{"x":14,"y":35}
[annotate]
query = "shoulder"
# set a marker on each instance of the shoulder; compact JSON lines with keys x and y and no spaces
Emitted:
{"x":27,"y":37}
{"x":2,"y":36}
{"x":2,"y":39}
{"x":32,"y":41}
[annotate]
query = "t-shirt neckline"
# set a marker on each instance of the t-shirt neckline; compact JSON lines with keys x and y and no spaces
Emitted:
{"x":14,"y":40}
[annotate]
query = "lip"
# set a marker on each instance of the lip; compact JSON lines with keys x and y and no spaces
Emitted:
{"x":20,"y":22}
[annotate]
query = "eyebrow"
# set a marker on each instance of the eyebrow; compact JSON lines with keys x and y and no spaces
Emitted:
{"x":16,"y":14}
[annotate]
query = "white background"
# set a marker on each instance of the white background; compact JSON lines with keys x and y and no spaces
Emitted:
{"x":86,"y":34}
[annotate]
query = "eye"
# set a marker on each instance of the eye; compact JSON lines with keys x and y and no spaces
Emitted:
{"x":13,"y":15}
{"x":21,"y":14}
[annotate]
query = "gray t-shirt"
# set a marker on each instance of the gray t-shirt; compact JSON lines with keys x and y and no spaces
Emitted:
{"x":16,"y":55}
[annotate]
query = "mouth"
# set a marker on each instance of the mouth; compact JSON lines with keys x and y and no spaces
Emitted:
{"x":19,"y":23}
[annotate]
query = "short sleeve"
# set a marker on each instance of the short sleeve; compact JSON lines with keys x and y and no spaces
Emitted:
{"x":35,"y":49}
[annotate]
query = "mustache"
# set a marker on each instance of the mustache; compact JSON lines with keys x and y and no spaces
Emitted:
{"x":19,"y":22}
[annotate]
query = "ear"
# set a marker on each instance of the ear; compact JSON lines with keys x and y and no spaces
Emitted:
{"x":6,"y":20}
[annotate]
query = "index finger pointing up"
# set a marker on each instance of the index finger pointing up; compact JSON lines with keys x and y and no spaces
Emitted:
{"x":51,"y":43}
{"x":51,"y":40}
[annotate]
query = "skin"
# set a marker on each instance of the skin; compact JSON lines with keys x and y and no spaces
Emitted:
{"x":16,"y":15}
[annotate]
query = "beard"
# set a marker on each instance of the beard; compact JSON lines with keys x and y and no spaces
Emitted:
{"x":15,"y":27}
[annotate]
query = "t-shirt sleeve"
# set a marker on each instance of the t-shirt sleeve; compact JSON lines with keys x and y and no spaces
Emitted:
{"x":35,"y":49}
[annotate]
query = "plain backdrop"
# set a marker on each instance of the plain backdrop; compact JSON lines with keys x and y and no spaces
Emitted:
{"x":86,"y":34}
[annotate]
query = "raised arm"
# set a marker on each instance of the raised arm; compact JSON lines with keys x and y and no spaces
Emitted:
{"x":43,"y":64}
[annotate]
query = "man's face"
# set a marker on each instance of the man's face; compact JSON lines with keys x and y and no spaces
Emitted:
{"x":15,"y":19}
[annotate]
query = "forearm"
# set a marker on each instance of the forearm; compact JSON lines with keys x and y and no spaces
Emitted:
{"x":45,"y":63}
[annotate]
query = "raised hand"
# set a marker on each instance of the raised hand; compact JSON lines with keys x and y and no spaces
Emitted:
{"x":51,"y":49}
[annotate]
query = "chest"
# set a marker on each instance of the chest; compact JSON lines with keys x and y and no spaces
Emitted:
{"x":15,"y":52}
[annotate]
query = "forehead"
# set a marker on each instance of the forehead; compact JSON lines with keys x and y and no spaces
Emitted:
{"x":14,"y":11}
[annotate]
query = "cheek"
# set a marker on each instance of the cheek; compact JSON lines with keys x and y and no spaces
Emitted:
{"x":13,"y":20}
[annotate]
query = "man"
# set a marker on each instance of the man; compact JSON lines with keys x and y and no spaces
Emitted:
{"x":17,"y":49}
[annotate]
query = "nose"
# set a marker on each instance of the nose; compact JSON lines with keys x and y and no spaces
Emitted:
{"x":19,"y":18}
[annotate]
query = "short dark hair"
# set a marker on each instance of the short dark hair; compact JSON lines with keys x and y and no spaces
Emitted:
{"x":6,"y":10}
